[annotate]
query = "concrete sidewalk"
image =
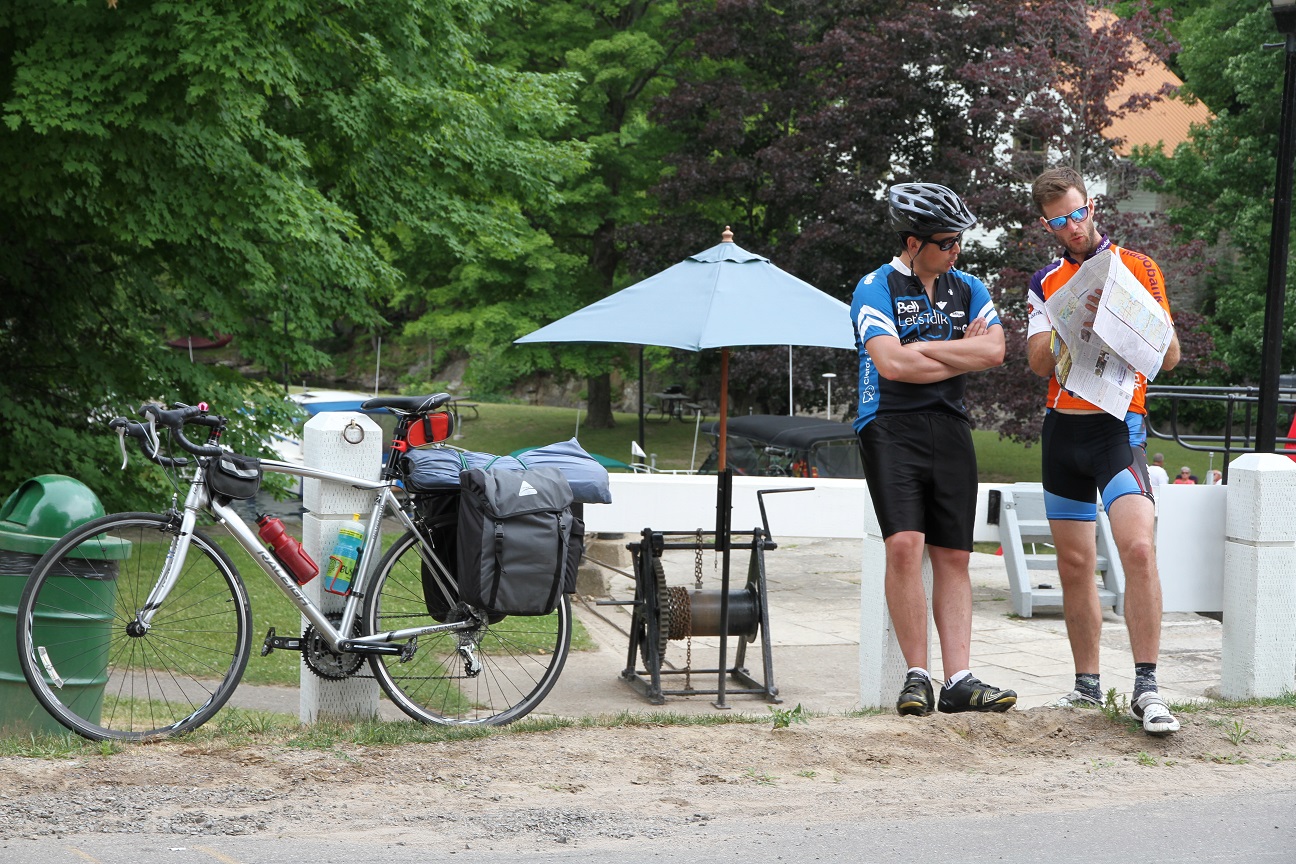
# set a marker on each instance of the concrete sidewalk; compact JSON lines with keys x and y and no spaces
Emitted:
{"x":814,"y":600}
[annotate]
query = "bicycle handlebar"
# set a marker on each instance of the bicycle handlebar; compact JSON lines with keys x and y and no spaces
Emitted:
{"x":175,"y":420}
{"x":141,"y":433}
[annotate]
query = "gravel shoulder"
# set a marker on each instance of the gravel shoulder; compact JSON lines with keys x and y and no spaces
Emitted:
{"x":601,"y":785}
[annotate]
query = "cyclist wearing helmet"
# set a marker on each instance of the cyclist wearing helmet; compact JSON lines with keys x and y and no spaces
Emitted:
{"x":920,"y":325}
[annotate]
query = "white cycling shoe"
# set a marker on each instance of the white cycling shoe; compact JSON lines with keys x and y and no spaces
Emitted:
{"x":1074,"y":699}
{"x":1155,"y":715}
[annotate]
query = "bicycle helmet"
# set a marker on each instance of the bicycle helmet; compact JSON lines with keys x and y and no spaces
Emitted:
{"x":925,"y":209}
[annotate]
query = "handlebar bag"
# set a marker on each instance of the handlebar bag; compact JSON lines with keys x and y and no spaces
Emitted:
{"x":232,"y":476}
{"x":515,"y":540}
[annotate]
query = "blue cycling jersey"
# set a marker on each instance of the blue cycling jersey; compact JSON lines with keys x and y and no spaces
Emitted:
{"x":891,"y":301}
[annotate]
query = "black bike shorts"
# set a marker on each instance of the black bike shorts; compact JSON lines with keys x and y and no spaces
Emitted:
{"x":1087,"y":454}
{"x":922,"y":476}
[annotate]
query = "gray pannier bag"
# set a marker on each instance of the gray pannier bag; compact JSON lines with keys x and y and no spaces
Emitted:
{"x":515,"y":540}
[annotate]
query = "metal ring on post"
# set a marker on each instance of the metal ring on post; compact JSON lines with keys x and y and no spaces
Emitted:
{"x":353,"y":433}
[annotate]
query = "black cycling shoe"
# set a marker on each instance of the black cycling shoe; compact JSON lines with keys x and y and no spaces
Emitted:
{"x":971,"y":694}
{"x":916,"y":698}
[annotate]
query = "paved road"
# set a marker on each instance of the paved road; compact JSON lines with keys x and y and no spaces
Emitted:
{"x":1257,"y":829}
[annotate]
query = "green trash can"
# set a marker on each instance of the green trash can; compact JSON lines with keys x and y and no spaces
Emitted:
{"x":32,"y":520}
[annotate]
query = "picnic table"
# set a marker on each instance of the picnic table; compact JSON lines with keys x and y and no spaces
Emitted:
{"x":458,"y":403}
{"x":677,"y":405}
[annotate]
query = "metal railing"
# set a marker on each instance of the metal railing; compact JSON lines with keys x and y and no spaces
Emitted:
{"x":1239,"y":435}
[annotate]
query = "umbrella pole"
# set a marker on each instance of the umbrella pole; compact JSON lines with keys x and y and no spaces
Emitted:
{"x":641,"y":397}
{"x":724,"y":408}
{"x":724,"y":506}
{"x":724,"y":510}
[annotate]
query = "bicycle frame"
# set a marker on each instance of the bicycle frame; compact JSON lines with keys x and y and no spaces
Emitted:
{"x":199,"y":500}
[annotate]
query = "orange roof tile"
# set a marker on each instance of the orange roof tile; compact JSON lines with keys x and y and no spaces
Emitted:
{"x":1165,"y":123}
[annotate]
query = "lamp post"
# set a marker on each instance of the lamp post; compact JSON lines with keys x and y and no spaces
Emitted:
{"x":1284,"y":12}
{"x":829,"y":376}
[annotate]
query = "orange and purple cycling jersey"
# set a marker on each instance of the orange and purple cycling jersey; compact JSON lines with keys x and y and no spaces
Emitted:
{"x":1049,"y":279}
{"x":1084,"y":454}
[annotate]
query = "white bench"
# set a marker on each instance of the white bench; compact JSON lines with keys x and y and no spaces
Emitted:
{"x":1022,"y":522}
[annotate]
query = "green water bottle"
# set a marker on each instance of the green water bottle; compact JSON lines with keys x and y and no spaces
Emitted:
{"x":346,"y":552}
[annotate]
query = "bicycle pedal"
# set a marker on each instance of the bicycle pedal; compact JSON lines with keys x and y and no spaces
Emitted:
{"x":408,"y":649}
{"x":288,"y":643}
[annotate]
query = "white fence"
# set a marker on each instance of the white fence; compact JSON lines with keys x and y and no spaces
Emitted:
{"x":1190,"y":527}
{"x":1223,"y":548}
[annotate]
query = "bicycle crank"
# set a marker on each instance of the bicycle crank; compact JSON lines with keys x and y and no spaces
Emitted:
{"x":324,"y":661}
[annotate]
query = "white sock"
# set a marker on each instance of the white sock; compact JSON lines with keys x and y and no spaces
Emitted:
{"x":922,"y":672}
{"x":956,"y":677}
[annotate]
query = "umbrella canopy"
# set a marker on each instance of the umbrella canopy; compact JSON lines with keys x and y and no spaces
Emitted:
{"x":720,"y":298}
{"x":723,"y":297}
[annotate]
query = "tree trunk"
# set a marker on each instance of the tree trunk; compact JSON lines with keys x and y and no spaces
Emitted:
{"x":599,"y":402}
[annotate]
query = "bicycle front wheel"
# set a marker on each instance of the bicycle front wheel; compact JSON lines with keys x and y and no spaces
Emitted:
{"x":90,"y":662}
{"x":489,"y":674}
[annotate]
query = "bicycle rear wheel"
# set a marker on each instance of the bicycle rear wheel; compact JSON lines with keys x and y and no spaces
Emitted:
{"x":489,"y":674}
{"x":94,"y":668}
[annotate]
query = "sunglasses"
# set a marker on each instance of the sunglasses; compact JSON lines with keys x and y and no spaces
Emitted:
{"x":945,"y":245}
{"x":1078,"y":215}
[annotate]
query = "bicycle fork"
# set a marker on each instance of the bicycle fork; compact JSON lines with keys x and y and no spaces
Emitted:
{"x":177,"y":552}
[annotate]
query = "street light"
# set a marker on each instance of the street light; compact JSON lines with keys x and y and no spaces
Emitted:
{"x":1284,"y":12}
{"x":829,"y":376}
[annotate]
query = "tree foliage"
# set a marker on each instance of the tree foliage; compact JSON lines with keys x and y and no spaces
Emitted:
{"x":796,"y":116}
{"x":620,"y":55}
{"x":264,"y":170}
{"x":1224,"y":176}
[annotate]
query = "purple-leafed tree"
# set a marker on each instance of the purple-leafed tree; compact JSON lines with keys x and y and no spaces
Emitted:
{"x":798,"y":115}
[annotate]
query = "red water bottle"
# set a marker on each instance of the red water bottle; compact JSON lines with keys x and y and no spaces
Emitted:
{"x":287,"y":549}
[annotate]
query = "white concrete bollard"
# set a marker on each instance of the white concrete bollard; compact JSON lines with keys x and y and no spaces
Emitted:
{"x":882,"y":665}
{"x":1258,"y":654}
{"x":328,"y":507}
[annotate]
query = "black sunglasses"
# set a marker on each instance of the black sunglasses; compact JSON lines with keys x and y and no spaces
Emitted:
{"x":945,"y":245}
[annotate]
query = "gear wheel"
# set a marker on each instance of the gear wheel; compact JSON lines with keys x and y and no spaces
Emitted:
{"x":325,"y":662}
{"x":655,"y":628}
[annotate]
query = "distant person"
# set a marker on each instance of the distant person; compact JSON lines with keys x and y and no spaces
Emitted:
{"x":1186,"y":477}
{"x":1214,"y":477}
{"x":1087,"y":452}
{"x":920,"y":325}
{"x":1156,"y":471}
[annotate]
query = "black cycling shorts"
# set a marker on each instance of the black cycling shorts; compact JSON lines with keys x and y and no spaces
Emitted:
{"x":922,"y":476}
{"x":1087,"y":455}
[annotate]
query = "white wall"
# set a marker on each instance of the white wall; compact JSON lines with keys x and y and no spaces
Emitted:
{"x":1190,"y":524}
{"x":684,"y":502}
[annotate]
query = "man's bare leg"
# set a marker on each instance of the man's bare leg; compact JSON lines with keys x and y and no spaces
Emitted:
{"x":952,"y":607}
{"x":1132,"y":521}
{"x":1077,"y":556}
{"x":905,"y":595}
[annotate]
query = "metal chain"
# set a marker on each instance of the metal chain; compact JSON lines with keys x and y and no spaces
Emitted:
{"x":697,"y":562}
{"x":688,"y":618}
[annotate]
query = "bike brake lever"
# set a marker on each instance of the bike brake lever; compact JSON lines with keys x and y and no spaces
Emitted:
{"x":154,"y":443}
{"x":121,"y":442}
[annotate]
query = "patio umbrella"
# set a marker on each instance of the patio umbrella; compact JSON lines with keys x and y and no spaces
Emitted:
{"x":723,"y":297}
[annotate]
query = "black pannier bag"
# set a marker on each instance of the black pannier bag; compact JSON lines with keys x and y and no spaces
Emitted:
{"x":515,"y":540}
{"x":232,"y":476}
{"x":440,"y":514}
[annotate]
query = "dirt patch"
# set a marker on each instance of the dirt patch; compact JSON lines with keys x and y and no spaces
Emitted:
{"x":590,"y":783}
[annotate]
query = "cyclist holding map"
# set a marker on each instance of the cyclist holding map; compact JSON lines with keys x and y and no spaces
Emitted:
{"x":1091,"y":325}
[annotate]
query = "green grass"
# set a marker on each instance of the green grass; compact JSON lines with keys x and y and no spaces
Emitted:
{"x":501,"y":429}
{"x":238,"y":727}
{"x":270,"y":608}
